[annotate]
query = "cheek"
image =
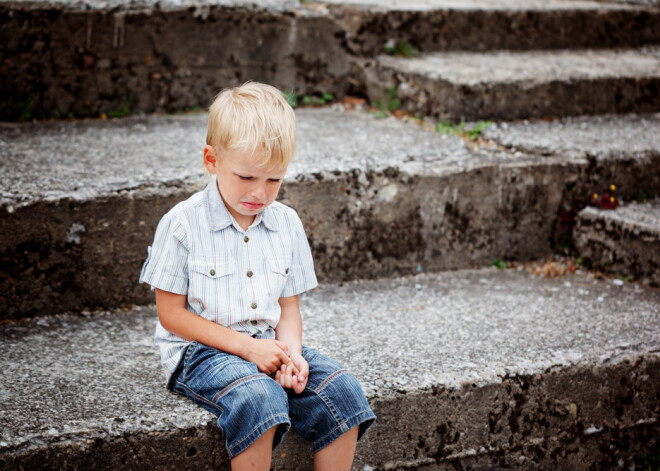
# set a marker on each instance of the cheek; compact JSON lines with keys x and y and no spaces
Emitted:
{"x":272,"y":192}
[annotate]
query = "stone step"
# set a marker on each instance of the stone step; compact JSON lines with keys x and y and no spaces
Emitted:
{"x":477,"y":368}
{"x":377,"y":197}
{"x":515,"y":85}
{"x":69,"y":58}
{"x":481,"y":25}
{"x":624,"y":241}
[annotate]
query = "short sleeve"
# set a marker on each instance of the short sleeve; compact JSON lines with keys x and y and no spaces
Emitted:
{"x":166,"y":266}
{"x":302,"y":276}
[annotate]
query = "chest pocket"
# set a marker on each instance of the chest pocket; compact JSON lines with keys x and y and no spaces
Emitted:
{"x":278,"y":272}
{"x":210,"y":285}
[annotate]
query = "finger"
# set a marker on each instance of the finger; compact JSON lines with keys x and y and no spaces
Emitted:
{"x":281,"y":373}
{"x":287,"y":376}
{"x":294,"y":369}
{"x":299,"y":387}
{"x":284,"y":347}
{"x":277,"y":376}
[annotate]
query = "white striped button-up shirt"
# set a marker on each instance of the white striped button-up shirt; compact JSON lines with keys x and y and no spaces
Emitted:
{"x":230,"y":276}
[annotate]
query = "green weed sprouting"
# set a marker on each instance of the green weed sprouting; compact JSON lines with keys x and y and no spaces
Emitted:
{"x":499,"y":264}
{"x":125,"y":110}
{"x":401,"y":48}
{"x":390,"y":106}
{"x":291,"y":98}
{"x":25,"y":110}
{"x":459,"y":130}
{"x":326,"y":97}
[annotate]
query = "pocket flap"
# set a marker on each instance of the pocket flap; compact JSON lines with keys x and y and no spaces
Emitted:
{"x":213,"y":269}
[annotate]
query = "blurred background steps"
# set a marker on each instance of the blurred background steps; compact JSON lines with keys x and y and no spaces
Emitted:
{"x":68,"y":58}
{"x":508,"y":85}
{"x":624,"y":241}
{"x":377,"y":197}
{"x":481,"y":369}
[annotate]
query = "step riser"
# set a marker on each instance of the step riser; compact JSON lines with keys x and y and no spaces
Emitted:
{"x":425,"y":96}
{"x":476,"y":30}
{"x":558,"y":420}
{"x":459,"y":220}
{"x":90,"y":62}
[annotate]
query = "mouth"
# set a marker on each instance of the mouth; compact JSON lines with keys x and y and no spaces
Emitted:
{"x":252,"y":206}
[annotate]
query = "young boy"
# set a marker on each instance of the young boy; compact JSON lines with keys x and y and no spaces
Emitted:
{"x":227,"y":266}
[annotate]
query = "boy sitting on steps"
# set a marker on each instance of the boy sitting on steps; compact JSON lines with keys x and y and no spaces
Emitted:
{"x":227,"y":266}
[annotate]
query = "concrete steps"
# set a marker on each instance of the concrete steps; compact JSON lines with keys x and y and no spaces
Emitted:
{"x":478,"y":368}
{"x":67,"y":58}
{"x":516,"y":85}
{"x":521,"y":372}
{"x":378,"y":197}
{"x":624,"y":241}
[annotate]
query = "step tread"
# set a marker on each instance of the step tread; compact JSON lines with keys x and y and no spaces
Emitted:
{"x":427,"y":5}
{"x":72,"y":378}
{"x":633,"y":216}
{"x":474,"y":68}
{"x":92,"y":158}
{"x":606,"y":136}
{"x":275,"y":5}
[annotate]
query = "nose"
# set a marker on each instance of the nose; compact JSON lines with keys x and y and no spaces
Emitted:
{"x":259,"y":191}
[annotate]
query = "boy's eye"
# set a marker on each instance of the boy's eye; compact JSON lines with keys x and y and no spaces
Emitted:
{"x":273,"y":180}
{"x":244,"y":178}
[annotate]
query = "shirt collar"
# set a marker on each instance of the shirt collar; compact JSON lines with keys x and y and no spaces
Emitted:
{"x":219,"y":216}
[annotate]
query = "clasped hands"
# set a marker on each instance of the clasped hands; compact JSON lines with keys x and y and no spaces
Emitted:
{"x":274,"y":357}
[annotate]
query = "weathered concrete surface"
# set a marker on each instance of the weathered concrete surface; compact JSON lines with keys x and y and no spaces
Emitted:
{"x":480,"y":25}
{"x":470,"y":366}
{"x":377,"y":197}
{"x":475,"y":367}
{"x":62,"y":58}
{"x":67,"y":57}
{"x":516,"y":85}
{"x":620,"y":150}
{"x":624,"y":241}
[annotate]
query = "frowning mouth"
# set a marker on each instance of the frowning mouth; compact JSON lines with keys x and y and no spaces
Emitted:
{"x":252,"y":205}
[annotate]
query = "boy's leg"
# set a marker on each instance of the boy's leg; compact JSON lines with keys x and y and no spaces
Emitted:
{"x":338,"y":455}
{"x":248,"y":403}
{"x":331,"y":412}
{"x":257,"y":456}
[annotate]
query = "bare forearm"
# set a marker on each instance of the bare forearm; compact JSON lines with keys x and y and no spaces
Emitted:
{"x":190,"y":326}
{"x":289,"y":328}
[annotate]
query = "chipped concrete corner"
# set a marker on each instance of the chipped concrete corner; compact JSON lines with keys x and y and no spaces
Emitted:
{"x":625,"y":241}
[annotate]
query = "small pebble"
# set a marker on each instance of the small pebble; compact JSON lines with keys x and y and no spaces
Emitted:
{"x":618,"y":282}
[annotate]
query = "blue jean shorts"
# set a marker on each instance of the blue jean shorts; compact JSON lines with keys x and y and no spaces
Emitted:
{"x":248,"y":402}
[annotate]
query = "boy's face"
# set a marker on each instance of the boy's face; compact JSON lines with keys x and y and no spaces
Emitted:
{"x":245,"y":187}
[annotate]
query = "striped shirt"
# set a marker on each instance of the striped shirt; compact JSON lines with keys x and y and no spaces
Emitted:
{"x":229,"y":275}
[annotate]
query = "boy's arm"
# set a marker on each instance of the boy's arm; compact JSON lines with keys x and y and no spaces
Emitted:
{"x":268,"y":355}
{"x":289,"y":328}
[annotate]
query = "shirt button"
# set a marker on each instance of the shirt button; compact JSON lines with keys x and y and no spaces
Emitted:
{"x":212,"y":272}
{"x":253,"y":305}
{"x":249,"y":273}
{"x":253,"y":322}
{"x":246,"y":238}
{"x":286,"y":271}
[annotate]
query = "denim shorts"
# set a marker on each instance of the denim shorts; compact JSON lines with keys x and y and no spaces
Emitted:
{"x":248,"y":402}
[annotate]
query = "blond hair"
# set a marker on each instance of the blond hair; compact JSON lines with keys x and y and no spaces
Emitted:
{"x":255,"y":118}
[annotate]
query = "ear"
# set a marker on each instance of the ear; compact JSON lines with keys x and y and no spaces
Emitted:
{"x":210,"y":158}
